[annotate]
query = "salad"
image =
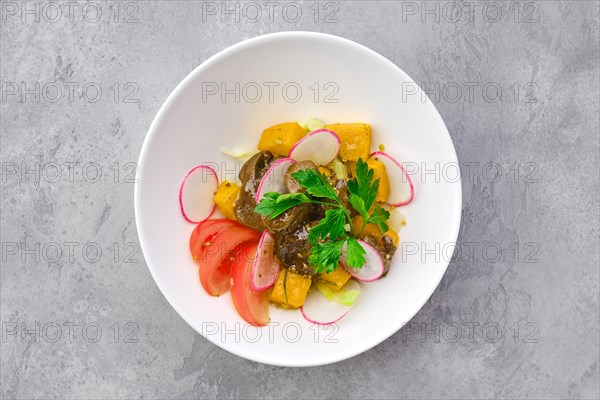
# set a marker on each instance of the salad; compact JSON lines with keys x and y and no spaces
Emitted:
{"x":314,"y":213}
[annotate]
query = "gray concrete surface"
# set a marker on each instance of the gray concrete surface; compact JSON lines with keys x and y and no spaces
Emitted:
{"x":523,"y":323}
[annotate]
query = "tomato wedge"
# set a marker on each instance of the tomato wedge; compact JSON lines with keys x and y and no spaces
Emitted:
{"x":252,"y":305}
{"x":196,"y":232}
{"x":218,"y":253}
{"x":204,"y":232}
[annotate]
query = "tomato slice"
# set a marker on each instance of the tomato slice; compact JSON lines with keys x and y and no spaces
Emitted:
{"x":196,"y":232}
{"x":205,"y":231}
{"x":218,"y":253}
{"x":252,"y":305}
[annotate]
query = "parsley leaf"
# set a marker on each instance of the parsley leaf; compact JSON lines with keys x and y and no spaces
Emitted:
{"x":363,"y":192}
{"x":379,"y":217}
{"x":316,"y":184}
{"x":274,"y":204}
{"x":362,"y":185}
{"x":333,"y":225}
{"x":358,"y":204}
{"x":355,"y":254}
{"x":325,"y":256}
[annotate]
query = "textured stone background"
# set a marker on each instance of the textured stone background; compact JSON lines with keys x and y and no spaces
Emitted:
{"x":539,"y":297}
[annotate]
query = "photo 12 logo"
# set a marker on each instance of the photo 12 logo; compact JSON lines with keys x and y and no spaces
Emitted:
{"x":69,"y":92}
{"x":289,"y":332}
{"x":270,"y":11}
{"x":69,"y":11}
{"x":489,"y":251}
{"x":68,"y":171}
{"x":254,"y":92}
{"x":521,"y":172}
{"x":69,"y":251}
{"x":471,"y":92}
{"x":70,"y":332}
{"x":470,"y":332}
{"x":469,"y":11}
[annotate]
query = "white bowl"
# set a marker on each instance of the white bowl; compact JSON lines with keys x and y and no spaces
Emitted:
{"x":355,"y":84}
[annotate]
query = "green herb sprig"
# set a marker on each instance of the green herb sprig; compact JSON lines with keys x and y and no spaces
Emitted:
{"x":328,"y":237}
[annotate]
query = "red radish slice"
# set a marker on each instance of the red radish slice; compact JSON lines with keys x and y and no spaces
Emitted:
{"x":373,"y":268}
{"x":402,"y":190}
{"x":321,"y":147}
{"x":196,"y":193}
{"x":274,"y":178}
{"x":317,"y":309}
{"x":266,"y":267}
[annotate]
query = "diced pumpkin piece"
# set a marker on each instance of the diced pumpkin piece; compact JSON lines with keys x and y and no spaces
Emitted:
{"x":355,"y":140}
{"x":297,"y":288}
{"x":280,"y":138}
{"x":370,"y":229}
{"x":277,"y":295}
{"x":335,"y":280}
{"x":290,"y":289}
{"x":379,"y":173}
{"x":351,"y":165}
{"x":373,"y":230}
{"x":225,"y":198}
